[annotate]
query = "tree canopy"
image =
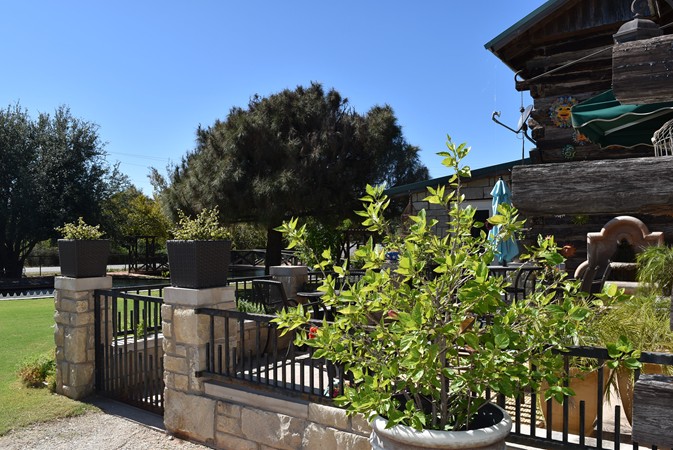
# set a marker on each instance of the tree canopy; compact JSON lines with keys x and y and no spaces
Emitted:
{"x":52,"y":171}
{"x":302,"y":152}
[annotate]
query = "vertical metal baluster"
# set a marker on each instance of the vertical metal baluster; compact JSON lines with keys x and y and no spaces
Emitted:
{"x":583,"y":432}
{"x":618,"y":427}
{"x":566,"y":371}
{"x":146,"y":365}
{"x":227,"y":362}
{"x":599,"y":399}
{"x":211,"y":360}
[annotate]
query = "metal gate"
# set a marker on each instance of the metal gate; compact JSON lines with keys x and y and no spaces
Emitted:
{"x":129,"y":353}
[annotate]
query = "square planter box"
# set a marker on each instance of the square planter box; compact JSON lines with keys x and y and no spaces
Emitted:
{"x":198,"y":264}
{"x":83,"y":258}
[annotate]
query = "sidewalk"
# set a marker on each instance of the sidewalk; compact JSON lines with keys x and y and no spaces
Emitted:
{"x":116,"y":427}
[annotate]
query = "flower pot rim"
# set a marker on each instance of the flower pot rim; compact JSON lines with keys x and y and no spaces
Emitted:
{"x":410,"y":436}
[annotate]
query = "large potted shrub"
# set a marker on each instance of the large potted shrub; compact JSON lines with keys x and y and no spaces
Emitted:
{"x":198,"y":254}
{"x":82,"y":251}
{"x":424,"y":349}
{"x":643,"y":319}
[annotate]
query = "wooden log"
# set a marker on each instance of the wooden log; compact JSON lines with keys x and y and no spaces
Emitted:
{"x":642,"y":71}
{"x":652,"y":410}
{"x":634,"y":185}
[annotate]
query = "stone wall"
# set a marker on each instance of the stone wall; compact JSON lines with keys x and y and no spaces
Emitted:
{"x":232,"y":417}
{"x":74,"y":334}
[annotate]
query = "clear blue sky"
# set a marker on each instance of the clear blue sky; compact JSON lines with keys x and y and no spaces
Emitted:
{"x":149,"y":72}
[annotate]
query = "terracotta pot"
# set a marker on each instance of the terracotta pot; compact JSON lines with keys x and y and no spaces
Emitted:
{"x":625,"y":386}
{"x":402,"y":437}
{"x":585,"y":386}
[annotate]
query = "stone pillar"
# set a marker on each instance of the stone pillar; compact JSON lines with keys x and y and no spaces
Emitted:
{"x":74,"y":334}
{"x":187,"y":413}
{"x":292,"y":277}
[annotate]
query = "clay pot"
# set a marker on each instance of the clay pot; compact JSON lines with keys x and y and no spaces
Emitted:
{"x":585,"y":386}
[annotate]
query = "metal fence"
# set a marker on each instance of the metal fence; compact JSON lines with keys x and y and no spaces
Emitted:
{"x":128,"y":343}
{"x":248,"y":349}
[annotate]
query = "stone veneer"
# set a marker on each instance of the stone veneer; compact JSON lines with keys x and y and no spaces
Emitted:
{"x":74,"y":334}
{"x":229,"y":417}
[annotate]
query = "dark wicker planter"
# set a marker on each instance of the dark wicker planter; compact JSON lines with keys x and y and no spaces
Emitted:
{"x":198,"y":264}
{"x":83,"y":258}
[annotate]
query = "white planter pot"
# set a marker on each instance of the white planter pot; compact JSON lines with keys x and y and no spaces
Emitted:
{"x":402,"y":437}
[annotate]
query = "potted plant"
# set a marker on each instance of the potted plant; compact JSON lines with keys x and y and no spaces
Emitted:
{"x":643,"y":319}
{"x":82,"y":253}
{"x":198,"y":255}
{"x":426,"y":352}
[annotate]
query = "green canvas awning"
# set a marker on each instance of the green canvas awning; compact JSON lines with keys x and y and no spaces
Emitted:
{"x":605,"y":121}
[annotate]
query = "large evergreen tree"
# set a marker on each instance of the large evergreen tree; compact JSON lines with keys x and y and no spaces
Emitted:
{"x":295,"y":153}
{"x":52,"y":170}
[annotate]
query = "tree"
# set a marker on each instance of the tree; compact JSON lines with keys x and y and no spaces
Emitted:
{"x":129,"y":212}
{"x":299,"y":152}
{"x":52,"y":171}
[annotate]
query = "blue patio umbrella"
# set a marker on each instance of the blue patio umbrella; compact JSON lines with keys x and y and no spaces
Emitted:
{"x":506,"y":250}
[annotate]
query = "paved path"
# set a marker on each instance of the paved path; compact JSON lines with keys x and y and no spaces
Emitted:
{"x":115,"y":427}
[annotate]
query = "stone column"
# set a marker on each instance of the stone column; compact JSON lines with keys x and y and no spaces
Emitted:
{"x":292,"y":277}
{"x":187,"y":412}
{"x":74,"y":334}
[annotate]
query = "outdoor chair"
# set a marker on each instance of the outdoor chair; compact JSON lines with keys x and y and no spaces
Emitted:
{"x":594,"y":279}
{"x":270,"y":294}
{"x":522,"y":283}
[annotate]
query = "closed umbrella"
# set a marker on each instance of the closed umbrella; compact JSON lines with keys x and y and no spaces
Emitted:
{"x":506,"y":250}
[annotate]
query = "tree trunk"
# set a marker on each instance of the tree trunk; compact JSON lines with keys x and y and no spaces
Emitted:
{"x":11,"y":265}
{"x":274,"y":247}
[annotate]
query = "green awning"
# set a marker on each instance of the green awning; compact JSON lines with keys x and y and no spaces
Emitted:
{"x":605,"y":121}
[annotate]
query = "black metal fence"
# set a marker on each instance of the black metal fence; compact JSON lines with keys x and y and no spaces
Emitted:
{"x":592,"y":419}
{"x":128,"y":343}
{"x":248,"y":349}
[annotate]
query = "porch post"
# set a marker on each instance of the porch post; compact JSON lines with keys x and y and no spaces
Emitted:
{"x":74,"y":334}
{"x":187,"y":412}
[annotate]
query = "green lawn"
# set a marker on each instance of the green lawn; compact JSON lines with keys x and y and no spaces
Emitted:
{"x":27,"y":331}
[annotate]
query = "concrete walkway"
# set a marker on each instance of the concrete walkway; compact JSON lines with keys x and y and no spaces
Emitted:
{"x":116,"y":426}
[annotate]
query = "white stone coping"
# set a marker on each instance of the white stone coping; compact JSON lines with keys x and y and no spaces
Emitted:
{"x":195,"y":298}
{"x":82,"y":284}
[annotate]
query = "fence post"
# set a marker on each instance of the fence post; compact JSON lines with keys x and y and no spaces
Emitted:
{"x":74,"y":334}
{"x":292,"y":277}
{"x":187,"y":412}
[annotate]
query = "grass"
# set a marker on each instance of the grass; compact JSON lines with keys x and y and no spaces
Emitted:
{"x":26,"y":333}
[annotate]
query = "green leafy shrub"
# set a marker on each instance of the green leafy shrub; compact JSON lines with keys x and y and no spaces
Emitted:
{"x":425,"y":339}
{"x":80,"y":230}
{"x":204,"y":227}
{"x":38,"y":372}
{"x":655,"y":269}
{"x":247,"y":306}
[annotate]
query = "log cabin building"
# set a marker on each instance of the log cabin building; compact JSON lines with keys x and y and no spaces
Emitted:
{"x":589,"y":55}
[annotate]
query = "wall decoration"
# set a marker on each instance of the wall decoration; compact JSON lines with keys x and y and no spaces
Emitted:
{"x":580,"y":139}
{"x":559,"y":111}
{"x":568,"y":151}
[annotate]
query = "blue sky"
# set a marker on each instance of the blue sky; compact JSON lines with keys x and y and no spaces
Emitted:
{"x":149,"y":72}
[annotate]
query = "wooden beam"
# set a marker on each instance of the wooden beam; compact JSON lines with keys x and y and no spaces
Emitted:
{"x":621,"y":186}
{"x":642,"y":70}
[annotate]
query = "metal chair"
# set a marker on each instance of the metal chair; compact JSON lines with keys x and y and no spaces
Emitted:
{"x":270,"y":294}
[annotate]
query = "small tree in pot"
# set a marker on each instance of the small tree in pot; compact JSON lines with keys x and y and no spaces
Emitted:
{"x":424,"y":347}
{"x":82,"y":253}
{"x":198,"y":256}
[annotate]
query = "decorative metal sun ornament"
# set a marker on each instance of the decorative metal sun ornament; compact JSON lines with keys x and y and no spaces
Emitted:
{"x":568,"y":151}
{"x":580,"y":139}
{"x":559,"y":111}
